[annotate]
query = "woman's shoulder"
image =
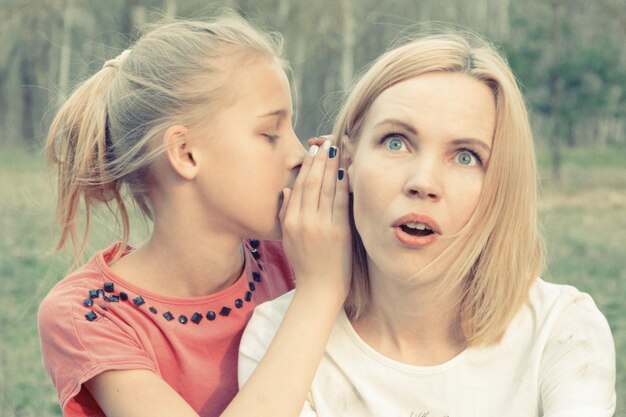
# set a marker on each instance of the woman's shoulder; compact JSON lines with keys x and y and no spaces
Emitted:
{"x":269,"y":314}
{"x":554,"y":299}
{"x":567,"y":313}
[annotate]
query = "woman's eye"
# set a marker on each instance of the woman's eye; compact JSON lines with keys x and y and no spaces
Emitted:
{"x":271,"y":137}
{"x":394,"y":143}
{"x":466,"y":158}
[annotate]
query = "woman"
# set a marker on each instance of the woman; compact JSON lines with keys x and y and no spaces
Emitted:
{"x":446,"y":315}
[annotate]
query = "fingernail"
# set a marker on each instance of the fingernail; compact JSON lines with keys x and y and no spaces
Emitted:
{"x":313,"y":150}
{"x":326,"y":145}
{"x":332,"y":152}
{"x":340,"y":174}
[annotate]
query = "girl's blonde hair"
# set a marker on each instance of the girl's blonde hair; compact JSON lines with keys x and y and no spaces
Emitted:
{"x":499,"y":253}
{"x":103,"y":137}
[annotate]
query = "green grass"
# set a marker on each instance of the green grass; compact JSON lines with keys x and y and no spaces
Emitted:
{"x":583,"y":217}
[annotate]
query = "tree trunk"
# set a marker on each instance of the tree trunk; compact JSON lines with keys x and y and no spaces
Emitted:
{"x":66,"y":51}
{"x":349,"y":38}
{"x":170,"y":8}
{"x":555,"y":93}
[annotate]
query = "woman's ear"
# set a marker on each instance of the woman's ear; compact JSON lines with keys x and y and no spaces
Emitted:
{"x":347,"y":153}
{"x":180,"y":153}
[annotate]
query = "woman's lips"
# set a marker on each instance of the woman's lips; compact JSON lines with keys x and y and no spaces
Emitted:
{"x":416,"y":230}
{"x":413,"y":241}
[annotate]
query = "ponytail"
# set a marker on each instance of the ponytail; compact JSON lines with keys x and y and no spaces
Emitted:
{"x":106,"y":135}
{"x":79,"y":145}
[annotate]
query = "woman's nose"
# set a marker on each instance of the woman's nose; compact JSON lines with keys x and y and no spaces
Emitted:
{"x":423,"y":181}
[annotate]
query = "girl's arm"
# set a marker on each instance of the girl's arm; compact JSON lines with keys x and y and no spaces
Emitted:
{"x":317,"y":240}
{"x":316,"y":237}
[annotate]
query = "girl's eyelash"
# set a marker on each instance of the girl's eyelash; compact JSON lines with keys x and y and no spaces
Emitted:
{"x":272,"y":137}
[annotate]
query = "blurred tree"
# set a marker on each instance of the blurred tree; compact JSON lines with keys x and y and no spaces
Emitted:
{"x":569,"y":54}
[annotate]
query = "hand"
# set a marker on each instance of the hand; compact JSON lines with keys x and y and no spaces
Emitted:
{"x":315,"y":224}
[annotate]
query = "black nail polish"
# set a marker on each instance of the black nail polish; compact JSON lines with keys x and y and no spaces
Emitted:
{"x":340,"y":174}
{"x":332,"y":152}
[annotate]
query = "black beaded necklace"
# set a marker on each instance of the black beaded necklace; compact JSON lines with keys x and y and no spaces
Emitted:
{"x":107,"y":294}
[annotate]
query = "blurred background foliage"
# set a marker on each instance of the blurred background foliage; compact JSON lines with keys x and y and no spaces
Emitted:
{"x":569,"y":55}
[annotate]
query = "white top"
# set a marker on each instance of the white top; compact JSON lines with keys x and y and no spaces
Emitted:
{"x":556,"y":359}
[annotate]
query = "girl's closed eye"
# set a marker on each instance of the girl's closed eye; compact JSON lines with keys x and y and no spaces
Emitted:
{"x":271,"y":137}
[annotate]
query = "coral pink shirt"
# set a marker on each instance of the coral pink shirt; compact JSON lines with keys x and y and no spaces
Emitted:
{"x":94,"y":321}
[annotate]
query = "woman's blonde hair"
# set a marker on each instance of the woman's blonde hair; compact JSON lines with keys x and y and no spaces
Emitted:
{"x":102,"y":138}
{"x":499,"y":253}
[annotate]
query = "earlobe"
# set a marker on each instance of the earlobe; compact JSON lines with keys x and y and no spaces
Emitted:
{"x":347,"y":150}
{"x":179,"y":152}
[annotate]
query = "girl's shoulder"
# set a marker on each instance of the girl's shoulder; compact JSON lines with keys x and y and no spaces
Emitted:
{"x":81,"y":287}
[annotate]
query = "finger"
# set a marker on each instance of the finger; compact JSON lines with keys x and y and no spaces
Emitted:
{"x":313,"y":182}
{"x":341,"y":202}
{"x":285,"y":204}
{"x":314,"y":141}
{"x":295,"y":198}
{"x":327,"y":137}
{"x":329,"y":181}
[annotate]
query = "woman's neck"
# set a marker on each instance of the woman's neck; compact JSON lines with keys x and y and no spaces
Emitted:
{"x":418,"y":325}
{"x":180,"y":261}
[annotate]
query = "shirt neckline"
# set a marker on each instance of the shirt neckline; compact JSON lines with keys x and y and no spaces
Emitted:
{"x":235,"y":288}
{"x":394,"y":364}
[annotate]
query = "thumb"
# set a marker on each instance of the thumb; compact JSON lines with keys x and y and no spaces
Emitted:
{"x":285,"y":204}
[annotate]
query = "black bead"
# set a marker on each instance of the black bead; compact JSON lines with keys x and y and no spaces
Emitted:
{"x":238,"y":303}
{"x":104,"y":308}
{"x":153,"y":310}
{"x":123,"y":296}
{"x":88,"y":302}
{"x":248,"y":296}
{"x":251,"y":286}
{"x":255,"y":243}
{"x":114,"y":298}
{"x":94,"y":294}
{"x":182,"y":319}
{"x":100,"y":291}
{"x":256,"y":254}
{"x":196,"y":318}
{"x":259,"y":265}
{"x":91,"y":316}
{"x":256,"y":276}
{"x":106,"y":298}
{"x":210,"y":315}
{"x":168,"y":316}
{"x":225,"y":311}
{"x":138,"y":301}
{"x":109,"y":287}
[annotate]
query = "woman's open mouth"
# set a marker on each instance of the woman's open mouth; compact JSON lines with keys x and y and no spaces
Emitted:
{"x":416,"y":231}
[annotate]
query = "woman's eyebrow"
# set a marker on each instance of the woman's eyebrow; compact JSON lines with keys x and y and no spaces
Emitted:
{"x":400,"y":123}
{"x":471,"y":141}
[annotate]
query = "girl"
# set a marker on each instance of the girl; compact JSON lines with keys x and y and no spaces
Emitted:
{"x":195,"y":123}
{"x":446,"y":315}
